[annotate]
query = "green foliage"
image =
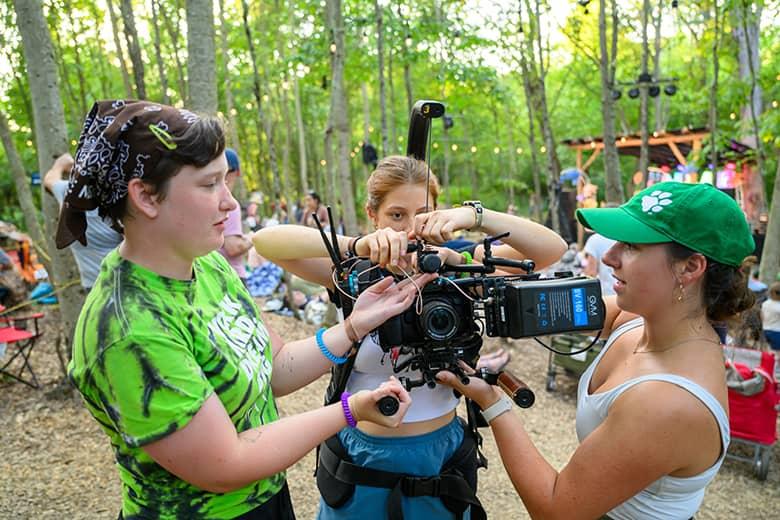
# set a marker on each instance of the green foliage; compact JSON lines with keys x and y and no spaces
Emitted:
{"x":453,"y":52}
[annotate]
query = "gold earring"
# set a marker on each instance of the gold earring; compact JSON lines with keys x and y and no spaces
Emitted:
{"x":682,"y":293}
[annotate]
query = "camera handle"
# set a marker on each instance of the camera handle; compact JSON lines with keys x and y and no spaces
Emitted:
{"x":513,"y":386}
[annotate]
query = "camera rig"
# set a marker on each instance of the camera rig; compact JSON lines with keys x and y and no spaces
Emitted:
{"x":453,"y":312}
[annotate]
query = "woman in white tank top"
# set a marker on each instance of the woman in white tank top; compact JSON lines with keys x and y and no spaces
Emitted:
{"x":651,"y":411}
{"x":397,"y":207}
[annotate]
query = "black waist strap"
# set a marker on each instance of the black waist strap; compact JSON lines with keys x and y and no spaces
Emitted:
{"x":450,"y":486}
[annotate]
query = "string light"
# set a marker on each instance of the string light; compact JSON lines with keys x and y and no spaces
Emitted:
{"x":454,"y":147}
{"x":519,"y":151}
{"x":732,"y":116}
{"x":496,"y":150}
{"x":73,"y":142}
{"x":333,"y":48}
{"x":323,"y":162}
{"x":29,"y":143}
{"x":473,"y":149}
{"x":774,"y":104}
{"x":543,"y":149}
{"x":435,"y":146}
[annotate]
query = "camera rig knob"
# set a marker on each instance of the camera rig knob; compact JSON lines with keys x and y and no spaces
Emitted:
{"x":388,"y":405}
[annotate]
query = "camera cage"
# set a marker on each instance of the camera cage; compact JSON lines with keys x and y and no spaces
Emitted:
{"x":467,"y":289}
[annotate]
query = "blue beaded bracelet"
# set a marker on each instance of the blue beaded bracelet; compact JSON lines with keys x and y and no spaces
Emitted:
{"x":347,"y":412}
{"x":327,"y":353}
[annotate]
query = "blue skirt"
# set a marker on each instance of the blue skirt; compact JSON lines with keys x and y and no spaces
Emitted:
{"x":417,"y":455}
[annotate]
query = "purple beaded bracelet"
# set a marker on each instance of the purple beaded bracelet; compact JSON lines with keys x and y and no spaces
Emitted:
{"x":347,"y":412}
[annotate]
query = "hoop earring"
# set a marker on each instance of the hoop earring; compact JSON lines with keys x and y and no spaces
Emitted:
{"x":682,"y":293}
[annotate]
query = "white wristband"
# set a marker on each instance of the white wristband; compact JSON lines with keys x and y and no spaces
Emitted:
{"x":503,"y":405}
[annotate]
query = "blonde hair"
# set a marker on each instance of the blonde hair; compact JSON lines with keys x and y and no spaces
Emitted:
{"x":394,"y":171}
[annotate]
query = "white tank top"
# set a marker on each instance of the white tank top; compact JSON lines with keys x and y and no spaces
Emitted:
{"x":373,"y":367}
{"x":668,"y":497}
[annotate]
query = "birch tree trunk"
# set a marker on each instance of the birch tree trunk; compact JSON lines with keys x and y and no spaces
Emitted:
{"x":746,"y":32}
{"x":713,"y":106}
{"x":230,"y":105}
{"x":658,"y":108}
{"x":120,"y":53}
{"x":644,"y":148}
{"x":133,"y":47}
{"x":391,"y":88}
{"x":263,"y":117}
{"x":158,"y":55}
{"x":607,"y":65}
{"x":381,"y":65}
{"x":770,"y":257}
{"x":302,"y":158}
{"x":52,"y":142}
{"x":340,"y":118}
{"x":201,"y":56}
{"x":23,"y":191}
{"x":172,"y":28}
{"x":536,"y":64}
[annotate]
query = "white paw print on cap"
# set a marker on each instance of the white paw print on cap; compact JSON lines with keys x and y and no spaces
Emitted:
{"x":656,"y":201}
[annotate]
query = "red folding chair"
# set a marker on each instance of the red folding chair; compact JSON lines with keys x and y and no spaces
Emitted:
{"x":18,"y":341}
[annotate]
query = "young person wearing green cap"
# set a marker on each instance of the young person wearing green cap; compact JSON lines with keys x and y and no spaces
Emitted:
{"x":652,"y":414}
{"x":170,"y":353}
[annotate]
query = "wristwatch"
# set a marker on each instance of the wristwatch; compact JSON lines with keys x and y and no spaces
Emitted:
{"x":478,"y":210}
{"x":504,"y":404}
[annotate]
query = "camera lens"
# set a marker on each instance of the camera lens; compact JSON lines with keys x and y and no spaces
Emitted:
{"x":439,"y":320}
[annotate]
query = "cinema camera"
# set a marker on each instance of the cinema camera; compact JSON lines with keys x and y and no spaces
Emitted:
{"x":465,"y":302}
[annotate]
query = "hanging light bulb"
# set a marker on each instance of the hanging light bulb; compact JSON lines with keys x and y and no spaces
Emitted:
{"x":473,"y":149}
{"x":408,"y":40}
{"x":333,"y":48}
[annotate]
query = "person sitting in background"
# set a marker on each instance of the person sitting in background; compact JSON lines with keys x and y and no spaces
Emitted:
{"x":313,"y":206}
{"x":236,"y":244}
{"x":100,"y":238}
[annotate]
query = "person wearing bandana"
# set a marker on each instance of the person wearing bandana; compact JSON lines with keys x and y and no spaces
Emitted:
{"x":170,"y":353}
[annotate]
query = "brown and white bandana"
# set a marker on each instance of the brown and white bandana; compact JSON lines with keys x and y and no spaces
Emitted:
{"x":120,"y":141}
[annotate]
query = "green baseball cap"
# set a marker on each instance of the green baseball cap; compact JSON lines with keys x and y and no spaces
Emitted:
{"x":698,"y":216}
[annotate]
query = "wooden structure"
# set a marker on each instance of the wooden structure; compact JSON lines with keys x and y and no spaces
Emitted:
{"x":670,"y":147}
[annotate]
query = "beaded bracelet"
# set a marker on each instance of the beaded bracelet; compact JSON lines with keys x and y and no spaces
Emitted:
{"x":327,"y":353}
{"x":351,"y":422}
{"x":467,"y":258}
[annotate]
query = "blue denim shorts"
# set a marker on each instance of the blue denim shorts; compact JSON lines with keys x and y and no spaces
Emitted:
{"x":418,"y":455}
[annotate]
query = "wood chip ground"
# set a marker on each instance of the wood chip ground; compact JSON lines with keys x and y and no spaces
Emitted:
{"x":56,"y":463}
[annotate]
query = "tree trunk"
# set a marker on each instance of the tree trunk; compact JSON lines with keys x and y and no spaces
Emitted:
{"x":201,"y":56}
{"x":381,"y":65}
{"x":658,"y":109}
{"x":23,"y":191}
{"x":770,"y":258}
{"x":172,"y":28}
{"x":52,"y":142}
{"x":263,"y":117}
{"x":644,"y":149}
{"x":607,"y":65}
{"x":539,"y":72}
{"x":339,"y":110}
{"x":158,"y":55}
{"x":366,"y":123}
{"x":98,"y":56}
{"x":391,"y":88}
{"x":120,"y":53}
{"x":746,"y":32}
{"x":713,"y":108}
{"x":302,"y":160}
{"x":511,"y":154}
{"x":446,"y":172}
{"x":526,"y":49}
{"x":230,"y":105}
{"x":133,"y":47}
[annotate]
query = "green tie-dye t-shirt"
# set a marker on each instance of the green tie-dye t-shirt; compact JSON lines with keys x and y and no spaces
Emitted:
{"x":148,"y":351}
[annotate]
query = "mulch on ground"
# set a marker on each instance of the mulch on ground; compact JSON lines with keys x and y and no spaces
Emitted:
{"x":56,"y":463}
